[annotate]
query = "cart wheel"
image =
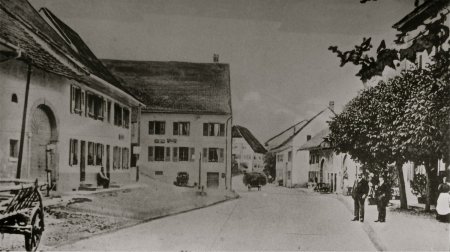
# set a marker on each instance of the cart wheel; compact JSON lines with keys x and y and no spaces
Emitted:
{"x":37,"y":227}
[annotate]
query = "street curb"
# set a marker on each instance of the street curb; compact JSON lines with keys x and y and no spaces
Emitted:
{"x":373,"y":236}
{"x":69,"y":242}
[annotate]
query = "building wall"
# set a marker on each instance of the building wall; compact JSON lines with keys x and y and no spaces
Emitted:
{"x":167,"y":170}
{"x":52,"y":92}
{"x":246,"y":157}
{"x":284,"y":166}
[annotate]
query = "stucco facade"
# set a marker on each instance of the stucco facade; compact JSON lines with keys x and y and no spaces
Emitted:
{"x":190,"y":152}
{"x":50,"y":125}
{"x":248,"y":160}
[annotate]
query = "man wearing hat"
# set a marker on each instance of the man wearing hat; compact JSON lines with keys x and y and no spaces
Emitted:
{"x":359,"y":195}
{"x":382,"y":194}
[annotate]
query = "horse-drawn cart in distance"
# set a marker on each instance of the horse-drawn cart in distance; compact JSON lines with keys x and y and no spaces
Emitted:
{"x":22,"y":211}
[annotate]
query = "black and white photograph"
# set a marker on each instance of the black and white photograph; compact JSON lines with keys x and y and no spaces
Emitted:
{"x":224,"y":125}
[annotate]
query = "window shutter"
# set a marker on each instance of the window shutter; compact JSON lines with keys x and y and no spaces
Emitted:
{"x":82,"y":103}
{"x":188,"y":128}
{"x":220,"y":155}
{"x":205,"y":129}
{"x":167,"y":159}
{"x":163,"y":129}
{"x":70,"y":152}
{"x":192,"y":154}
{"x":205,"y":155}
{"x":175,"y":129}
{"x":151,"y":156}
{"x":175,"y":154}
{"x":72,"y":98}
{"x":103,"y":109}
{"x":151,"y":128}
{"x":222,"y":130}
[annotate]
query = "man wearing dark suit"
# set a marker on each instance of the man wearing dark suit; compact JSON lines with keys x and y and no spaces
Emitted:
{"x":359,"y":194}
{"x":382,"y":195}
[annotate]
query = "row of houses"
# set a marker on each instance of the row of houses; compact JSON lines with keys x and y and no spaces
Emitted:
{"x":304,"y":153}
{"x":65,"y":113}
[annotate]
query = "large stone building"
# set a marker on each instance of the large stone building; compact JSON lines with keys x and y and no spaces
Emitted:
{"x":63,"y":113}
{"x":186,"y":124}
{"x":247,"y":151}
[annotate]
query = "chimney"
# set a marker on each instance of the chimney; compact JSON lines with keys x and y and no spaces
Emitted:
{"x":308,"y":137}
{"x":216,"y":58}
{"x":331,"y":105}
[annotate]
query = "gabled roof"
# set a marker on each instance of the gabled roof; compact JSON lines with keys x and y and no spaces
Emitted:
{"x":176,"y":87}
{"x":23,"y":28}
{"x":239,"y":131}
{"x":428,"y":9}
{"x":80,"y":49}
{"x":318,"y":141}
{"x":15,"y":32}
{"x":297,"y":128}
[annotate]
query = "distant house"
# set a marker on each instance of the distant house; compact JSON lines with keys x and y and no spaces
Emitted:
{"x":247,"y":150}
{"x":291,"y":164}
{"x":186,"y":124}
{"x":64,"y":115}
{"x":337,"y":171}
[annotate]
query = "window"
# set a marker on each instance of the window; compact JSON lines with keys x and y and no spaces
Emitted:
{"x":126,"y":118}
{"x":181,"y":128}
{"x":159,"y":153}
{"x":213,"y":129}
{"x":125,"y":155}
{"x":14,"y":98}
{"x":98,"y":154}
{"x":289,"y":156}
{"x":213,"y":155}
{"x":13,"y":148}
{"x":156,"y":127}
{"x":116,"y":158}
{"x":91,"y":153}
{"x":75,"y":101}
{"x":184,"y":153}
{"x":95,"y":106}
{"x":280,"y":158}
{"x":117,"y":115}
{"x":108,"y":111}
{"x":73,"y":152}
{"x":167,"y":159}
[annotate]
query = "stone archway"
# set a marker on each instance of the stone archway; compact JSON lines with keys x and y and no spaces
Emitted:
{"x":44,"y":136}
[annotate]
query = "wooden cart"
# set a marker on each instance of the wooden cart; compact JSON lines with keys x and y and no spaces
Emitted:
{"x":22,"y":211}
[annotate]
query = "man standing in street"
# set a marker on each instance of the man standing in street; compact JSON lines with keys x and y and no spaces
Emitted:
{"x":359,"y":194}
{"x":382,"y":195}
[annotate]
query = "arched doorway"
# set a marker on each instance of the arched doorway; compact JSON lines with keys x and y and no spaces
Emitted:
{"x":321,"y":171}
{"x":42,"y":143}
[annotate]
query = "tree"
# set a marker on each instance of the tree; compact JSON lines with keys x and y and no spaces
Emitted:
{"x":425,"y":125}
{"x":269,"y":164}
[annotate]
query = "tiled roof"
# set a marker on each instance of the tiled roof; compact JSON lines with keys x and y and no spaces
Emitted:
{"x":176,"y":87}
{"x":318,"y":141}
{"x":81,"y":50}
{"x":239,"y":131}
{"x":15,"y":33}
{"x":428,"y":9}
{"x":22,"y":26}
{"x":282,"y":139}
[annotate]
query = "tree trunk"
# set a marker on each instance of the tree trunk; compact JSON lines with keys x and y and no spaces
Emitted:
{"x":428,"y":188}
{"x":403,"y":200}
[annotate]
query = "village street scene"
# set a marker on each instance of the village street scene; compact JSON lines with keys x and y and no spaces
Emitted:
{"x":238,"y":125}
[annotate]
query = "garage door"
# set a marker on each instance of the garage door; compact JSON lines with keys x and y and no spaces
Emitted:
{"x":212,"y":179}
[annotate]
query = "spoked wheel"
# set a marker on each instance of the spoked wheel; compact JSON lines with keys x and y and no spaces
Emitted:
{"x":37,"y":227}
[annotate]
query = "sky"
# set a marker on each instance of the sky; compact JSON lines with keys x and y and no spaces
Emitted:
{"x":281,"y":69}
